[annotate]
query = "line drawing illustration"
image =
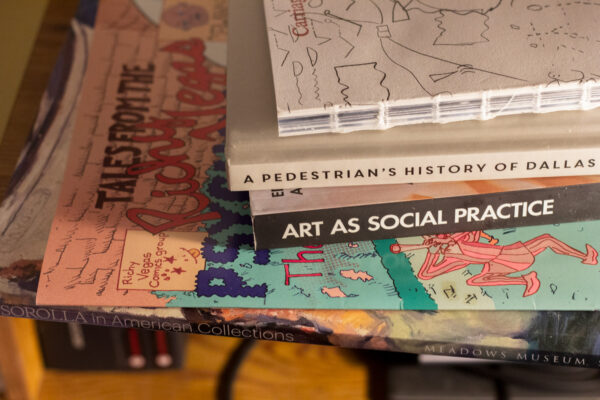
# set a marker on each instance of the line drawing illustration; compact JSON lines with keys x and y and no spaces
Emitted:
{"x":447,"y":253}
{"x":352,"y":77}
{"x":426,"y":48}
{"x":344,"y":25}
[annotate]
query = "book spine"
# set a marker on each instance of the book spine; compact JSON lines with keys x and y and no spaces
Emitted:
{"x":429,"y":216}
{"x":198,"y":325}
{"x":441,"y":108}
{"x":434,"y":168}
{"x":291,"y":333}
{"x":530,"y":356}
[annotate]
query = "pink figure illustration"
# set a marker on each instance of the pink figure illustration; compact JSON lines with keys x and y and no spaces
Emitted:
{"x":447,"y":253}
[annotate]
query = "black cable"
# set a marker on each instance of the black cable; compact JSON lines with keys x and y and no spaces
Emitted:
{"x":500,"y":388}
{"x":229,"y":371}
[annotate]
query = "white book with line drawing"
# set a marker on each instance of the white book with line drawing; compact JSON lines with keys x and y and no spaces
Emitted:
{"x":345,"y":65}
{"x":516,"y":146}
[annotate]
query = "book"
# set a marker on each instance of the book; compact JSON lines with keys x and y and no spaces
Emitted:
{"x":537,"y":337}
{"x":288,"y":217}
{"x":522,"y":146}
{"x":344,"y":66}
{"x":144,"y":217}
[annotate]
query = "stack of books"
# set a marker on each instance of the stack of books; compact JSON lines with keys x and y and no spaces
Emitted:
{"x":415,"y":215}
{"x":471,"y":214}
{"x":432,"y":180}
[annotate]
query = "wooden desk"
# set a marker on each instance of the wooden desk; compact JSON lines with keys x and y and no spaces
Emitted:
{"x":271,"y":370}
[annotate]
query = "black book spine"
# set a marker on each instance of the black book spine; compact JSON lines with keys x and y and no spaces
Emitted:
{"x":430,"y":216}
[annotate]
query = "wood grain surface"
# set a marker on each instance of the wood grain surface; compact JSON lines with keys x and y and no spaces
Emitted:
{"x":272,"y":370}
{"x":20,"y":22}
{"x":20,"y":359}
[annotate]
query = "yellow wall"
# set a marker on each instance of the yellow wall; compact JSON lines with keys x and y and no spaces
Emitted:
{"x":19,"y":23}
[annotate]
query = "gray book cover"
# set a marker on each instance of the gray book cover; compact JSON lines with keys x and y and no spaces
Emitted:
{"x":374,"y":64}
{"x":518,"y":146}
{"x":395,"y":211}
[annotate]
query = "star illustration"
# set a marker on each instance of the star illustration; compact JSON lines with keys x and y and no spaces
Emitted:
{"x":178,"y":270}
{"x":170,"y":259}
